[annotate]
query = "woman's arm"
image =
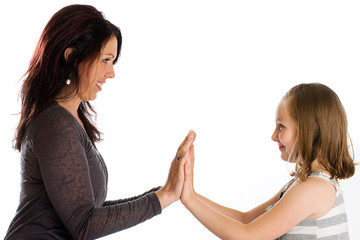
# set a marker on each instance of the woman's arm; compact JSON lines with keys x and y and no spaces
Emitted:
{"x":59,"y":147}
{"x":175,"y":177}
{"x":120,"y":201}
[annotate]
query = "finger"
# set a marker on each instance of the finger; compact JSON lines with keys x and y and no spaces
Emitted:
{"x":185,"y":140}
{"x":192,"y":152}
{"x":191,"y":139}
{"x":185,"y":147}
{"x":183,"y":157}
{"x":187,"y":172}
{"x":189,"y":155}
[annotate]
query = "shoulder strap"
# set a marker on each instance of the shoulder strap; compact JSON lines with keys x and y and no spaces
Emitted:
{"x":287,"y":187}
{"x":326,"y":177}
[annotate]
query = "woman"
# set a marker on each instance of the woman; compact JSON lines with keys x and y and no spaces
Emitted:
{"x":64,"y":178}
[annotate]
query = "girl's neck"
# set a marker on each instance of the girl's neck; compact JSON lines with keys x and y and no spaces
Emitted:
{"x":316,"y":167}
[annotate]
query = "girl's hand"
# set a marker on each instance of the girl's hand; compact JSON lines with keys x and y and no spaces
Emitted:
{"x":173,"y":187}
{"x":188,"y":189}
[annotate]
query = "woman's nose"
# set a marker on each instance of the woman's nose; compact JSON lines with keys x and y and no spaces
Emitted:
{"x":111,"y":72}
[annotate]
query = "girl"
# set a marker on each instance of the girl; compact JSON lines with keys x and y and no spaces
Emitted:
{"x":311,"y":131}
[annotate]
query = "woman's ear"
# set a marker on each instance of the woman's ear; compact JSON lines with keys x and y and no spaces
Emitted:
{"x":67,"y":53}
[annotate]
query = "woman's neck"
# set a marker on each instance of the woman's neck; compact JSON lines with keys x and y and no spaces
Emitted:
{"x":72,"y":105}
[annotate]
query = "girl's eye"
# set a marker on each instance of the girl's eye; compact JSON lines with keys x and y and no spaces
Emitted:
{"x":281,"y":126}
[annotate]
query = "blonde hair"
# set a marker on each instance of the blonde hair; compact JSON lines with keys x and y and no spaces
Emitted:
{"x":322,"y":131}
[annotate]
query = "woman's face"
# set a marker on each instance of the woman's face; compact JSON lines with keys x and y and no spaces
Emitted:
{"x":285,"y":132}
{"x":94,"y":76}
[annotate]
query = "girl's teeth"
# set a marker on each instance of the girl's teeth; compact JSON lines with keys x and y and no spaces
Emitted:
{"x":99,"y":84}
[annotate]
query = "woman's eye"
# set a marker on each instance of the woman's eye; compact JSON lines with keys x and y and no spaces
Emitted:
{"x":281,"y":126}
{"x":106,"y":60}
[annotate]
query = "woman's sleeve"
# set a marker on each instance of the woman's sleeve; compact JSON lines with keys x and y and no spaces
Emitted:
{"x":58,"y":145}
{"x":119,"y":201}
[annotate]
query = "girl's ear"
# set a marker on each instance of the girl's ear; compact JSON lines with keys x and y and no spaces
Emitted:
{"x":67,"y":53}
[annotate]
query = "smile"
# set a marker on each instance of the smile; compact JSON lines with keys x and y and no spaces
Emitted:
{"x":99,"y":84}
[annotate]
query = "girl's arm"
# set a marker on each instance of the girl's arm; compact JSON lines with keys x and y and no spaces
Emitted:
{"x":243,"y":217}
{"x":310,"y":198}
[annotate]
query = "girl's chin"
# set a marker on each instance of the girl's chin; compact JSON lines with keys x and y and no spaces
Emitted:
{"x":286,"y":159}
{"x":289,"y":161}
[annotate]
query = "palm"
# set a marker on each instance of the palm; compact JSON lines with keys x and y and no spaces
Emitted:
{"x":188,"y":188}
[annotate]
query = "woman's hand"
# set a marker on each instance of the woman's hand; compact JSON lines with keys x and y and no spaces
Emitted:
{"x":173,"y":187}
{"x":188,"y":189}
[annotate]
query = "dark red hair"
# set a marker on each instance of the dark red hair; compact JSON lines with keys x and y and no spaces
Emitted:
{"x":81,"y":28}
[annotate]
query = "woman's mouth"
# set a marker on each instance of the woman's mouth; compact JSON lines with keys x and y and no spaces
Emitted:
{"x":99,"y":84}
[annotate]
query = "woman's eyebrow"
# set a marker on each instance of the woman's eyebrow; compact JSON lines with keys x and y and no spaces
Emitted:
{"x":108,"y":54}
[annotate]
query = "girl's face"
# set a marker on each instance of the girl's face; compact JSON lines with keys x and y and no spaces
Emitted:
{"x":92,"y":78}
{"x":285,"y":132}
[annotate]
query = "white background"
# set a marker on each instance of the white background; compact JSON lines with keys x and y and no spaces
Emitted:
{"x":218,"y":67}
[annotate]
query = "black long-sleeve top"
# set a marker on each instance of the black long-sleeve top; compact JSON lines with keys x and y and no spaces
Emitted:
{"x":64,"y":185}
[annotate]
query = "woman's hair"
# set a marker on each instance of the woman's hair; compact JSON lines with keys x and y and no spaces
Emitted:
{"x":322,"y":131}
{"x":85,"y":31}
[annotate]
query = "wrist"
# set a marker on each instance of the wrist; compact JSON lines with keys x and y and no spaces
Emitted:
{"x":165,"y":198}
{"x":189,"y":199}
{"x":185,"y":200}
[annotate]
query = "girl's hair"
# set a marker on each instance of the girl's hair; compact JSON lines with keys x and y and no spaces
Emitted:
{"x":85,"y":31}
{"x":322,"y":131}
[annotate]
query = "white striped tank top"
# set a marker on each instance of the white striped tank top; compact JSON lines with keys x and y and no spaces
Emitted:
{"x":331,"y":226}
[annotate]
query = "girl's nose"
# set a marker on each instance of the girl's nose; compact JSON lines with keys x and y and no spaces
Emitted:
{"x":274,"y":136}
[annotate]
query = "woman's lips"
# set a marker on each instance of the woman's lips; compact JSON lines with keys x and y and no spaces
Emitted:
{"x":99,"y":84}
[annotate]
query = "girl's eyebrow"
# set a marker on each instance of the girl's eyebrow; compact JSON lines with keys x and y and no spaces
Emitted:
{"x":279,"y":120}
